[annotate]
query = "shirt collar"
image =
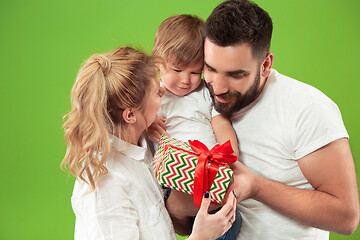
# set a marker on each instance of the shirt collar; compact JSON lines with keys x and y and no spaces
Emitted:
{"x":135,"y":152}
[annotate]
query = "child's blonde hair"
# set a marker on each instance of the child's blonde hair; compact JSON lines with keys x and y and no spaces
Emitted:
{"x":106,"y":85}
{"x":179,"y":40}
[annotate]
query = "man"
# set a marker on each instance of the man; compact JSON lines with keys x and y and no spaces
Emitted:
{"x":298,"y":178}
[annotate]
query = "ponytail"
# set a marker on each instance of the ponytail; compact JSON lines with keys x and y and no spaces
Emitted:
{"x":86,"y":131}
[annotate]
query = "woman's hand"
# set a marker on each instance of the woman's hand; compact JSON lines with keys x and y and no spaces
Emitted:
{"x":211,"y":226}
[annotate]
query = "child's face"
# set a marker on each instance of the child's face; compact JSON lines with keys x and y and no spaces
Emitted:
{"x":181,"y":81}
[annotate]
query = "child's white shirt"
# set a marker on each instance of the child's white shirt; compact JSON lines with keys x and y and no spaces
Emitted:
{"x":189,"y":117}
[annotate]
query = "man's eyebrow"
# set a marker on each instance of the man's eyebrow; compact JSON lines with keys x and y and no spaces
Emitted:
{"x":206,"y":64}
{"x":237,"y":72}
{"x":240,"y":71}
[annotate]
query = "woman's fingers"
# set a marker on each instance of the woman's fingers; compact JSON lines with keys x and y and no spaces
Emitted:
{"x":205,"y":204}
{"x":234,"y":206}
{"x":229,"y":205}
{"x":229,"y":209}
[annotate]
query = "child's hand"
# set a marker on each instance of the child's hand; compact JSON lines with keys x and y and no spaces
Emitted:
{"x":157,"y":128}
{"x":211,"y":226}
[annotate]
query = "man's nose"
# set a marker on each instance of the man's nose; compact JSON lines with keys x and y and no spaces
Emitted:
{"x":220,"y":85}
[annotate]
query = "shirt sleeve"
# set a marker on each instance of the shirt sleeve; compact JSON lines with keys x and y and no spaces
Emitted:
{"x":214,"y":112}
{"x":316,"y":126}
{"x":207,"y":97}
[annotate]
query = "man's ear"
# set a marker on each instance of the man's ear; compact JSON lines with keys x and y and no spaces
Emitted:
{"x":129,"y":115}
{"x":267,"y":65}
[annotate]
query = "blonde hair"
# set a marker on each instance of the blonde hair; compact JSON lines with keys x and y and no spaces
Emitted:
{"x":179,"y":40}
{"x":105,"y":86}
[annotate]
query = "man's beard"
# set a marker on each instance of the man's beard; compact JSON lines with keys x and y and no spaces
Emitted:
{"x":241,"y":100}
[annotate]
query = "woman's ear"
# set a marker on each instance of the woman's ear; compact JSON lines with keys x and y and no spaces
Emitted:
{"x":267,"y":65}
{"x":129,"y":115}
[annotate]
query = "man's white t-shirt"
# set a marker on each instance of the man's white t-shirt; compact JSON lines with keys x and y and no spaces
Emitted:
{"x":288,"y":120}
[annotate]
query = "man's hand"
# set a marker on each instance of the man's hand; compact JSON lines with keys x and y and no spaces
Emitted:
{"x":244,"y":183}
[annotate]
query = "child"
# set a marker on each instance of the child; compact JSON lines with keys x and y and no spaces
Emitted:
{"x":186,"y":110}
{"x":115,"y":98}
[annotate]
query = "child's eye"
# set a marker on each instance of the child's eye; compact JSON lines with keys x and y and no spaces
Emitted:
{"x":176,"y":70}
{"x":196,"y":73}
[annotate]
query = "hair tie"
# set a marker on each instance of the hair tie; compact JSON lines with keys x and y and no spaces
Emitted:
{"x":105,"y":64}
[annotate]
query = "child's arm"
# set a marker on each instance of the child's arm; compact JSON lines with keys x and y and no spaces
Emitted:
{"x":157,"y":128}
{"x":224,"y":131}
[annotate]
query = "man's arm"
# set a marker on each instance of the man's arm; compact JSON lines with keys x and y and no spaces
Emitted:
{"x":331,"y":172}
{"x":332,"y":206}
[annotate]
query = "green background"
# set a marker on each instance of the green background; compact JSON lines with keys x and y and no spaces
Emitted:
{"x":43,"y":43}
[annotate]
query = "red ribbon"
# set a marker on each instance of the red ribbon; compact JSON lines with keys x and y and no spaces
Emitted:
{"x":208,"y":165}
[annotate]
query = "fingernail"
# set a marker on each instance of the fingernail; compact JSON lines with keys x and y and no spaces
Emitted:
{"x":234,"y":194}
{"x":206,"y":195}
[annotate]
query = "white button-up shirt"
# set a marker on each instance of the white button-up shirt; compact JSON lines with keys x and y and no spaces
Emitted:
{"x":127,"y":202}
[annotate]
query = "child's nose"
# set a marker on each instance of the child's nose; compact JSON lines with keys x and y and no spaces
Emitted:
{"x":186,"y":79}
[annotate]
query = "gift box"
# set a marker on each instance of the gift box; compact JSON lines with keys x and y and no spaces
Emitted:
{"x":192,"y":168}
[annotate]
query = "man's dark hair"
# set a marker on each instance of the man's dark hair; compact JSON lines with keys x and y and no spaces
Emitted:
{"x":240,"y":21}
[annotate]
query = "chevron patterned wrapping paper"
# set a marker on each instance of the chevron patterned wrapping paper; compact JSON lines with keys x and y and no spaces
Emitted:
{"x":175,"y":169}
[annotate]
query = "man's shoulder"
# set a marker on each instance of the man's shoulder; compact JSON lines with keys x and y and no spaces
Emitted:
{"x":291,"y":88}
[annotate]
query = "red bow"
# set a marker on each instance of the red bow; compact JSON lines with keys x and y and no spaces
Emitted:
{"x":208,"y":165}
